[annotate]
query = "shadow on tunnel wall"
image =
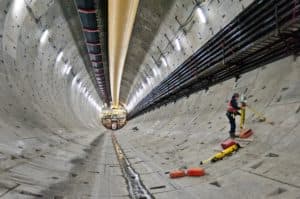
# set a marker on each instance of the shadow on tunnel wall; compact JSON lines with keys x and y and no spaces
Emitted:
{"x":149,"y":17}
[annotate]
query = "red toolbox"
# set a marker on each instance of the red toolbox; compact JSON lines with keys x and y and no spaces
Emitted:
{"x":227,"y":143}
{"x":245,"y":133}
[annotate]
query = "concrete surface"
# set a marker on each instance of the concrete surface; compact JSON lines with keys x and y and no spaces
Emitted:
{"x":182,"y":134}
{"x":144,"y":69}
{"x":52,"y":144}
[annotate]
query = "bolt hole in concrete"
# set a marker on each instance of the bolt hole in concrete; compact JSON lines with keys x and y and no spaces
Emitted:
{"x":158,"y":187}
{"x":278,"y":191}
{"x":272,"y":155}
{"x":215,"y":183}
{"x":256,"y":165}
{"x":298,"y":109}
{"x":31,"y":194}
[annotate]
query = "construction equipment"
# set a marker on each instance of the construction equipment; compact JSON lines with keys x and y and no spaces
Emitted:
{"x":261,"y":117}
{"x":243,"y":115}
{"x":177,"y":174}
{"x":222,"y":154}
{"x":195,"y":172}
{"x":243,"y":112}
{"x":245,"y":133}
{"x":227,"y":143}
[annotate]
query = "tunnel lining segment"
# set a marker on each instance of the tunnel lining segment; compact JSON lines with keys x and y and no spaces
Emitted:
{"x":257,"y":36}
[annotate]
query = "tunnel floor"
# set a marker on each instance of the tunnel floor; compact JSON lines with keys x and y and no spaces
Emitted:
{"x":84,"y":163}
{"x":97,"y":175}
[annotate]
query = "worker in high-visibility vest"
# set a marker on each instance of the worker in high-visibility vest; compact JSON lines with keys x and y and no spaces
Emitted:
{"x":232,"y":111}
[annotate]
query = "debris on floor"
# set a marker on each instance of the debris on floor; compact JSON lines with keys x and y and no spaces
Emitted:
{"x":272,"y":155}
{"x":192,"y":172}
{"x":135,"y":128}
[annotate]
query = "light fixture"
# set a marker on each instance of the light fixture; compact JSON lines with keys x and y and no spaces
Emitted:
{"x":64,"y":70}
{"x":155,"y":71}
{"x":68,"y":70}
{"x":164,"y":61}
{"x":18,"y":6}
{"x":79,"y":85}
{"x":44,"y":36}
{"x":177,"y":44}
{"x":59,"y":56}
{"x":148,"y":80}
{"x":82,"y":89}
{"x":201,"y":14}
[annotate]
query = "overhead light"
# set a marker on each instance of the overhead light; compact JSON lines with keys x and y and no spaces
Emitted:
{"x":79,"y":85}
{"x":201,"y":15}
{"x":177,"y":45}
{"x":44,"y":36}
{"x":143,"y":85}
{"x":64,"y":70}
{"x":164,"y":61}
{"x":82,"y":89}
{"x":148,"y":79}
{"x":59,"y":56}
{"x":67,"y":69}
{"x":18,"y":6}
{"x":156,"y":71}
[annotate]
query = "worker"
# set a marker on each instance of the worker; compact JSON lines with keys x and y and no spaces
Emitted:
{"x":232,"y":111}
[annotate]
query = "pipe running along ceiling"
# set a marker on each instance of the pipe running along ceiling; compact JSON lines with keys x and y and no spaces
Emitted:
{"x":94,"y":28}
{"x":121,"y":16}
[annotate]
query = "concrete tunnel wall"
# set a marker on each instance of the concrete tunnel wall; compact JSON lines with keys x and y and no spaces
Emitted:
{"x":47,"y":121}
{"x":182,"y":134}
{"x":190,"y":38}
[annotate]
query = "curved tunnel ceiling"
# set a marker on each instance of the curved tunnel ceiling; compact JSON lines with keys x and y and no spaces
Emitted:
{"x":156,"y":49}
{"x":150,"y":16}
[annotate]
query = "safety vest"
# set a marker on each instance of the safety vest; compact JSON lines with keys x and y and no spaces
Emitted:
{"x":231,"y":109}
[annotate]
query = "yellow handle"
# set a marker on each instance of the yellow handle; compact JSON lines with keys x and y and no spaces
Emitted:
{"x":243,"y":117}
{"x":256,"y":113}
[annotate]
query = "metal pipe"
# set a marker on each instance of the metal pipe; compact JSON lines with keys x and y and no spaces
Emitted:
{"x":121,"y":17}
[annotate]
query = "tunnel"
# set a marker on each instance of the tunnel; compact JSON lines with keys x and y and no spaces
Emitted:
{"x":106,"y":99}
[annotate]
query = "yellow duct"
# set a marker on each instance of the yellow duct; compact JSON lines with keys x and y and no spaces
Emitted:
{"x":121,"y":16}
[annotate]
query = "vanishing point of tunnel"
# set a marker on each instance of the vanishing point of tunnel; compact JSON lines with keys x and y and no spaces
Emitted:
{"x":150,"y":99}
